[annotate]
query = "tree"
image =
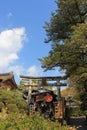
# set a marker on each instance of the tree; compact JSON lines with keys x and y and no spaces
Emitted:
{"x":71,"y":54}
{"x":60,"y":28}
{"x":67,"y":30}
{"x":69,"y":13}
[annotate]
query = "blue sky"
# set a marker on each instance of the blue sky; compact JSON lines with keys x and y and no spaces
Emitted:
{"x":22,"y":36}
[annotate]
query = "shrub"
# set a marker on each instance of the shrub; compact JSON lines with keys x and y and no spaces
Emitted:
{"x":12,"y":108}
{"x":13,"y":97}
{"x":76,"y":112}
{"x":24,"y":122}
{"x":1,"y":106}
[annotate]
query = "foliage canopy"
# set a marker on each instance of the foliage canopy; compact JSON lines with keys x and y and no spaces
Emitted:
{"x":67,"y":30}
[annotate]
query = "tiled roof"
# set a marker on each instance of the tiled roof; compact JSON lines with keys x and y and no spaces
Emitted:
{"x":4,"y":77}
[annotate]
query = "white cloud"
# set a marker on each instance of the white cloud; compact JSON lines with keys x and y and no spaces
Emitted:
{"x":20,"y":70}
{"x":17,"y":69}
{"x":11,"y":42}
{"x":33,"y":71}
{"x":9,"y":14}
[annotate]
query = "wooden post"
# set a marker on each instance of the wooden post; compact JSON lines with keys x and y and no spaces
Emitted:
{"x":29,"y":95}
{"x":58,"y":90}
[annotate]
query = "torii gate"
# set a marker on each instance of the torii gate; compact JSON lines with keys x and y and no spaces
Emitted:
{"x":43,"y":82}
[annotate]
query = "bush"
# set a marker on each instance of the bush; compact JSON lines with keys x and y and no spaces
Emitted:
{"x":76,"y":112}
{"x":13,"y":99}
{"x":1,"y":106}
{"x":25,"y":122}
{"x":12,"y":108}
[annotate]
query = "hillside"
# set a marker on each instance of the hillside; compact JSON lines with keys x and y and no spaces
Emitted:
{"x":13,"y":114}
